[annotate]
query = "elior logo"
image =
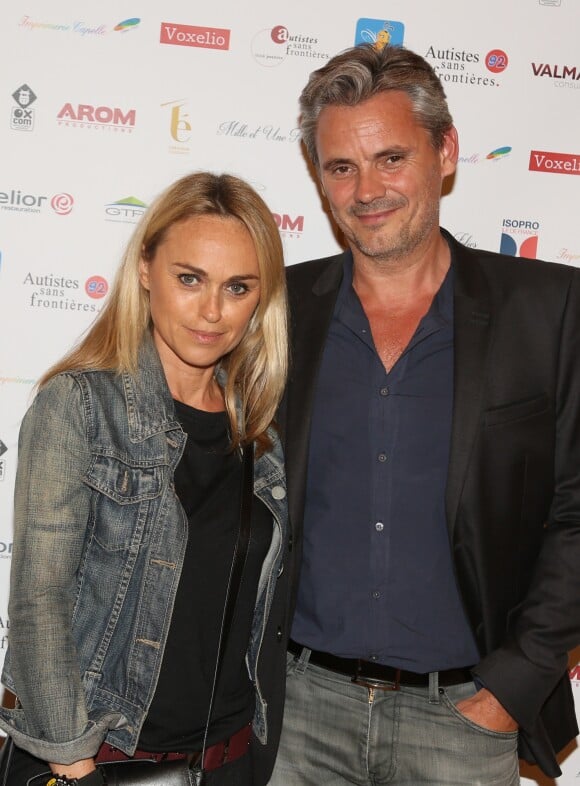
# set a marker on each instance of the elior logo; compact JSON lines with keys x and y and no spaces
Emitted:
{"x":62,"y":204}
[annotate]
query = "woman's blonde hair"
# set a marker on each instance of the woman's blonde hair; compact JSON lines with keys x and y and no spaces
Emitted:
{"x":256,"y":369}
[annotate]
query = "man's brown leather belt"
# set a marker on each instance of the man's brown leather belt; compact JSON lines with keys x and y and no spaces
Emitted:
{"x":365,"y":672}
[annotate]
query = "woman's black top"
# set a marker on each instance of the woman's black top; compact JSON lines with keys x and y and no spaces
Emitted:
{"x":208,"y":483}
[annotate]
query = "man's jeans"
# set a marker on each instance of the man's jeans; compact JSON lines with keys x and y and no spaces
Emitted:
{"x":338,"y":733}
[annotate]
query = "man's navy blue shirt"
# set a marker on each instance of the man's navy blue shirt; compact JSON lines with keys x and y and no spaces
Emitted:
{"x":377,"y":578}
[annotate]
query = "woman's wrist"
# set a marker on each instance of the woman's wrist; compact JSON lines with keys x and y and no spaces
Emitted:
{"x":94,"y":778}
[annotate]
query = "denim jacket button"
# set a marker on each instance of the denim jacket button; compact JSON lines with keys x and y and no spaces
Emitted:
{"x":278,"y":492}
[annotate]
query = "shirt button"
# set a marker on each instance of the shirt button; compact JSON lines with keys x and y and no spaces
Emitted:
{"x":376,"y":594}
{"x":379,"y":526}
{"x":373,"y":657}
{"x":384,"y":391}
{"x":382,"y":457}
{"x":278,"y":492}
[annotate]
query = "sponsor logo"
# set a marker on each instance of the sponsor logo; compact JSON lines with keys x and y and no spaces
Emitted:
{"x":476,"y":158}
{"x":554,"y":163}
{"x":551,"y":2}
{"x":499,"y":153}
{"x":519,"y":237}
{"x":189,"y":35}
{"x":3,"y":450}
{"x":272,"y":46}
{"x":179,"y":125}
{"x":22,"y":116}
{"x":15,"y":200}
{"x":77,"y":27}
{"x":126,"y":25}
{"x":574,"y":674}
{"x":561,"y":75}
{"x":55,"y":292}
{"x":269,"y":132}
{"x":289,"y":226}
{"x":128,"y":210}
{"x":466,"y":238}
{"x":568,"y":257}
{"x":5,"y":553}
{"x":96,"y":287}
{"x":496,"y":61}
{"x":97,"y":117}
{"x":379,"y":32}
{"x":464,"y":67}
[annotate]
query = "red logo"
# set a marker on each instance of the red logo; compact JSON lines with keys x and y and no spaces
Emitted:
{"x":62,"y":204}
{"x":187,"y":35}
{"x":496,"y":61}
{"x":86,"y":114}
{"x":96,"y":287}
{"x":555,"y":163}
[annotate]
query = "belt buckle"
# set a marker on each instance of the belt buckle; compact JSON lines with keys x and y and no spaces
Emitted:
{"x":374,"y":684}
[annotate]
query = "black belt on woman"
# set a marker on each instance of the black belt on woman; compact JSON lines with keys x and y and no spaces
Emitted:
{"x":369,"y":674}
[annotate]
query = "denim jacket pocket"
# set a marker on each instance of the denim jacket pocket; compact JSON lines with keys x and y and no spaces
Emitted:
{"x":122,"y":504}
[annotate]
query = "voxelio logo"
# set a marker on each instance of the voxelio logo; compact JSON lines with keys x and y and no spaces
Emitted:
{"x":554,"y":163}
{"x":15,"y":200}
{"x":22,"y":116}
{"x":190,"y":35}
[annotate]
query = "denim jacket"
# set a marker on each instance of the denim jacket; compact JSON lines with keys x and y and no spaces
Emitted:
{"x":99,"y":543}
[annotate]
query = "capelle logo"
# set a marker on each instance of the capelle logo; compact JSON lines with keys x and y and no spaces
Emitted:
{"x":554,"y":163}
{"x":15,"y":200}
{"x":494,"y":155}
{"x":190,"y":35}
{"x":379,"y":32}
{"x":22,"y":116}
{"x":271,"y":46}
{"x":128,"y":210}
{"x":79,"y":27}
{"x":97,"y":117}
{"x":519,"y":237}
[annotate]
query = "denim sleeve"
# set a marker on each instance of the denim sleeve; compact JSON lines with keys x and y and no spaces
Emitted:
{"x":52,"y":509}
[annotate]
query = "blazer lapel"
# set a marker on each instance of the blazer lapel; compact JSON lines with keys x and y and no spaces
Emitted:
{"x":311,"y":307}
{"x":472,"y":334}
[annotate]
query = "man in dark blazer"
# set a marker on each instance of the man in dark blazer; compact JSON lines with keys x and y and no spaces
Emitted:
{"x":432,"y":433}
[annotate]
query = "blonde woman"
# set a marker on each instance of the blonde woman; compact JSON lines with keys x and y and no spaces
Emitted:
{"x":128,"y":504}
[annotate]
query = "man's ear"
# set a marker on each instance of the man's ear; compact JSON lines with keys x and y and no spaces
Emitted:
{"x":449,"y":151}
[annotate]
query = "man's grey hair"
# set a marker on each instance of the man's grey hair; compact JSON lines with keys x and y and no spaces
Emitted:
{"x":361,"y":72}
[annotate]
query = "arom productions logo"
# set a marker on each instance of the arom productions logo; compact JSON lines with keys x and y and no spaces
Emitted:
{"x":554,"y":163}
{"x":128,"y":210}
{"x":189,"y":35}
{"x":15,"y":200}
{"x":22,"y":116}
{"x":461,"y":66}
{"x":97,"y":117}
{"x":379,"y":32}
{"x":273,"y":45}
{"x":290,"y":227}
{"x":519,"y":238}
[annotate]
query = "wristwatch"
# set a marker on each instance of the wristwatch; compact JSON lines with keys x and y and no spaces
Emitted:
{"x":95,"y":778}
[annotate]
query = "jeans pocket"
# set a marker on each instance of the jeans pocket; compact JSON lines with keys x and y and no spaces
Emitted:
{"x":459,"y":716}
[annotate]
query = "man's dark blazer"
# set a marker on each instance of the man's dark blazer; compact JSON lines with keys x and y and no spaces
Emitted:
{"x":513,"y":489}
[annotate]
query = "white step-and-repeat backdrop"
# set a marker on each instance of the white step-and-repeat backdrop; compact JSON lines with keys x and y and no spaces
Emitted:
{"x":103,"y":104}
